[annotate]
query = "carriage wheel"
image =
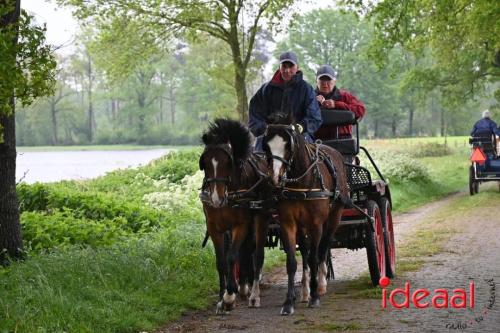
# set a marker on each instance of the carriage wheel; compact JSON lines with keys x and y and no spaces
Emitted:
{"x":375,"y":247}
{"x":473,"y":185}
{"x":390,"y":245}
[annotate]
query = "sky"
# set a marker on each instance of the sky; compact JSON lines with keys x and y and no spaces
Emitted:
{"x":61,"y":27}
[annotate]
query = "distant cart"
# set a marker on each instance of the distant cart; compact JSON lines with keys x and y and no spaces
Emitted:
{"x":485,"y":161}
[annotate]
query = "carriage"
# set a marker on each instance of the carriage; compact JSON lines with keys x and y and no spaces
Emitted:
{"x":485,"y":160}
{"x":367,"y":223}
{"x":241,"y":191}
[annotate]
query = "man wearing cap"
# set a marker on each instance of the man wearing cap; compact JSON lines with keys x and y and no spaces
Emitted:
{"x":331,"y":97}
{"x":286,"y":93}
{"x":485,"y":126}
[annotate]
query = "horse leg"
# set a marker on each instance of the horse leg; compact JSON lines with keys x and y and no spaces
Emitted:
{"x":306,"y":277}
{"x":261,"y":225}
{"x":239,"y":232}
{"x":246,"y":265}
{"x":324,"y":247}
{"x":315,"y":235}
{"x":289,"y":232}
{"x":218,"y":241}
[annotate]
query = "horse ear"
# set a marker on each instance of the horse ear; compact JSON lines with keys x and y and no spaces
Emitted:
{"x":201,"y":163}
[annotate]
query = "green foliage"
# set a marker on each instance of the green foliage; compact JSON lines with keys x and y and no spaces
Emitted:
{"x":27,"y":66}
{"x":132,"y":286}
{"x":87,"y":205}
{"x":399,"y":168}
{"x":45,"y":231}
{"x":431,"y":149}
{"x":462,"y":37}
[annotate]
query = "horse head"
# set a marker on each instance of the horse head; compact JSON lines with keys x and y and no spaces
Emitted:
{"x":280,"y":143}
{"x":227,"y":146}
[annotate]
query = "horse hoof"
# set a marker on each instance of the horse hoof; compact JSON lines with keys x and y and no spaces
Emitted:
{"x":313,"y":303}
{"x":321,"y":290}
{"x":229,"y":298}
{"x":243,"y":291}
{"x":228,"y":307}
{"x":287,"y":310}
{"x":219,"y":310}
{"x":254,"y":302}
{"x":304,"y":299}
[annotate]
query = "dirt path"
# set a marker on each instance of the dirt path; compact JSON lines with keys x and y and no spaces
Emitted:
{"x":472,"y":253}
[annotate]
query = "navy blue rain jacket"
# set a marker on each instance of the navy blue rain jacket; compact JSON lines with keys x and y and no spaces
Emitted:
{"x":485,"y":125}
{"x":296,"y":96}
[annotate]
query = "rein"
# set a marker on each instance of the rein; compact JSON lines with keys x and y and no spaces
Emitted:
{"x":317,"y":156}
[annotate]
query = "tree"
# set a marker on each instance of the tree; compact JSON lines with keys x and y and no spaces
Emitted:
{"x":462,"y":37}
{"x":26,"y":72}
{"x":222,"y":19}
{"x":341,"y":39}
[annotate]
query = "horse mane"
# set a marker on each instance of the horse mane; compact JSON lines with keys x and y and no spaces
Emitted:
{"x":232,"y":132}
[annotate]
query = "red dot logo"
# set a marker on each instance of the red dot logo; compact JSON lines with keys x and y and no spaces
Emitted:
{"x":384,"y":281}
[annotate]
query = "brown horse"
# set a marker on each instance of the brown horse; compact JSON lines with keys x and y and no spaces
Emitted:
{"x":312,"y":185}
{"x":234,"y":179}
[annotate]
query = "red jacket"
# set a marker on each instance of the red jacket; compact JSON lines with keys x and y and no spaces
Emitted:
{"x":344,"y":100}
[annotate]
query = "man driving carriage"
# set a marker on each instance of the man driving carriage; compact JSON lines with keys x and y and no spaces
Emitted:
{"x":485,"y":126}
{"x":286,"y":92}
{"x":331,"y":97}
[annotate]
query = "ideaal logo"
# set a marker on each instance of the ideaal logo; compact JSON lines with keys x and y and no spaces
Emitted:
{"x":460,"y":297}
{"x":440,"y":299}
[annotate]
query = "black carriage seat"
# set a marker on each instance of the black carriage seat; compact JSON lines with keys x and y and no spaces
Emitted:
{"x":485,"y":140}
{"x":347,"y":146}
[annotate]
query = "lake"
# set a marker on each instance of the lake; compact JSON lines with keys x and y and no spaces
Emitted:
{"x":65,"y":165}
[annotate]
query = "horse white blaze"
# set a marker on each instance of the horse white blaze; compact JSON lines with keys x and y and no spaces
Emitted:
{"x":215,"y":195}
{"x":277,"y":148}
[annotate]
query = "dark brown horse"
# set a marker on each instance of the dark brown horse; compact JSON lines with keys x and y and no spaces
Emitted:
{"x":312,"y":185}
{"x":234,"y":179}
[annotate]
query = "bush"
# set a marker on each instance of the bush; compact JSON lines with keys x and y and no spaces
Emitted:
{"x":175,"y":165}
{"x":88,"y":205}
{"x":431,"y":149}
{"x":42,"y":230}
{"x":399,"y":168}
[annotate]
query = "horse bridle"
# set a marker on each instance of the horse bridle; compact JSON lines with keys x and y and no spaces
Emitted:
{"x":290,"y":130}
{"x":226,"y":148}
{"x":292,"y":133}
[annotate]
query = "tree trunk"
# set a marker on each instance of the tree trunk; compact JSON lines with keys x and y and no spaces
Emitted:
{"x":443,"y":124}
{"x":172,"y":105}
{"x":393,"y":127}
{"x":410,"y":121}
{"x":90,"y":112}
{"x":11,"y":243}
{"x":241,"y":94}
{"x":53,"y":114}
{"x":375,"y":129}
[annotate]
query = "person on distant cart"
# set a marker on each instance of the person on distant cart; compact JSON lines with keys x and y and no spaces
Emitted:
{"x":287,"y":92}
{"x":485,"y":126}
{"x":329,"y":96}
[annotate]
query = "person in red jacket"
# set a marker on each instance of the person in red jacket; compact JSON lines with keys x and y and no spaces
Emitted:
{"x":331,"y":97}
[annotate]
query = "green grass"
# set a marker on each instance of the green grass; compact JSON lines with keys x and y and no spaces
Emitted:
{"x":133,"y":286}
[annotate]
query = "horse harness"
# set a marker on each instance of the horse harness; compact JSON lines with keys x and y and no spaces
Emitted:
{"x":240,"y":198}
{"x":317,"y":156}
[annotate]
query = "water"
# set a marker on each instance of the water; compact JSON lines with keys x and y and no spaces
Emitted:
{"x":68,"y":165}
